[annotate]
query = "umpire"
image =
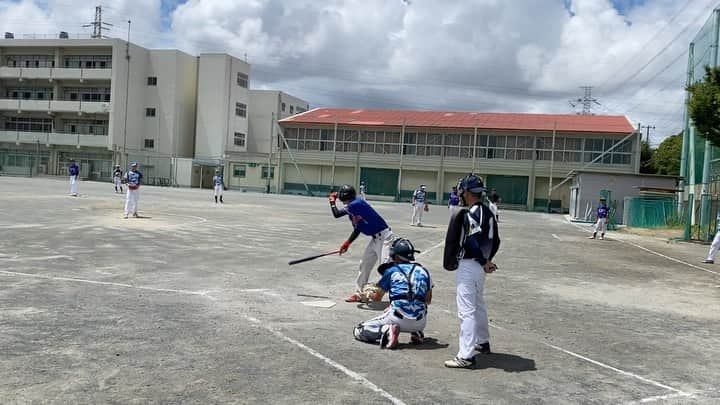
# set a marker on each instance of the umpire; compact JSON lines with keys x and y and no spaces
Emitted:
{"x":471,"y":242}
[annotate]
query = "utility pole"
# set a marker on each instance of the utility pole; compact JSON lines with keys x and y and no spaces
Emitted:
{"x":586,"y":101}
{"x":127,"y":93}
{"x":647,"y":131}
{"x":98,"y":24}
{"x":552,"y":161}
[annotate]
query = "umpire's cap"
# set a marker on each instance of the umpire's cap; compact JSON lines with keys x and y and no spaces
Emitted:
{"x":347,"y":193}
{"x":471,"y":183}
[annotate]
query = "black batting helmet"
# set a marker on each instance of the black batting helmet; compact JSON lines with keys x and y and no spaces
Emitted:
{"x":346,"y":193}
{"x":471,"y":183}
{"x":403,"y":249}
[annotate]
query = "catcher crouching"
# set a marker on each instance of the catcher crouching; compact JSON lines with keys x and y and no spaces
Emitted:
{"x":410,"y":291}
{"x":133,"y":179}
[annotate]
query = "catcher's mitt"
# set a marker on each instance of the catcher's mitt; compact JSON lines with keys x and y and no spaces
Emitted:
{"x":427,"y":208}
{"x":132,"y":186}
{"x":369,"y":291}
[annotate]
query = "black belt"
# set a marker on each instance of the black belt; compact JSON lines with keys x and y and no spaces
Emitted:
{"x":379,"y":234}
{"x":399,"y":315}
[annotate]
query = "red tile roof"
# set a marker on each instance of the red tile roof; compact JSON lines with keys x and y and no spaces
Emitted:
{"x":440,"y":119}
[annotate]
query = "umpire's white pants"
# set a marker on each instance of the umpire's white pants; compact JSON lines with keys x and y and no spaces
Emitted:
{"x":601,"y":225}
{"x":74,"y":182}
{"x":417,"y":213}
{"x":377,"y":249}
{"x":131,"y":201}
{"x":218,"y":190}
{"x":714,"y":247}
{"x":472,"y":312}
{"x":405,"y":324}
{"x":453,"y":209}
{"x":493,"y":208}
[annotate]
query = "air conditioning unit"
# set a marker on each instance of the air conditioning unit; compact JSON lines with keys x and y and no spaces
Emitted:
{"x":64,"y":35}
{"x":9,"y":35}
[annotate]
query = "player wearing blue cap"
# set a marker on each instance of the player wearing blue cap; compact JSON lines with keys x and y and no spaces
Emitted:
{"x":365,"y":220}
{"x":74,"y":172}
{"x":219,"y":185}
{"x":419,"y":204}
{"x":133,"y":179}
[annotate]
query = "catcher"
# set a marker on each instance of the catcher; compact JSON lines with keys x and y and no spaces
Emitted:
{"x":410,"y":290}
{"x":133,"y":179}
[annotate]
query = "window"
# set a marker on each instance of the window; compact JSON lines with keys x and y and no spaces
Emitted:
{"x":282,"y":107}
{"x":152,"y":81}
{"x":242,"y":80}
{"x":149,"y":112}
{"x":265,"y":172}
{"x":149,"y":143}
{"x":239,"y":139}
{"x":291,"y":109}
{"x":239,"y":170}
{"x":240,"y":109}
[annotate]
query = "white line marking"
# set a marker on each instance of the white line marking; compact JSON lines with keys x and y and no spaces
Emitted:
{"x":187,"y":216}
{"x":662,"y":398}
{"x":355,"y":376}
{"x":431,"y":249}
{"x":556,"y":237}
{"x":30,"y":259}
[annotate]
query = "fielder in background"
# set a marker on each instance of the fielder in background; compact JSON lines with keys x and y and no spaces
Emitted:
{"x":117,"y":178}
{"x":363,"y":190}
{"x":419,"y":204}
{"x":74,"y":172}
{"x":219,"y":185}
{"x":602,"y":218}
{"x":410,"y":291}
{"x":493,"y":201}
{"x":453,"y":201}
{"x":367,"y":221}
{"x":471,"y":243}
{"x":133,"y":179}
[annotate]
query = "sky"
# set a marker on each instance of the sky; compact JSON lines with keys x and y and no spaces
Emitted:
{"x":451,"y":55}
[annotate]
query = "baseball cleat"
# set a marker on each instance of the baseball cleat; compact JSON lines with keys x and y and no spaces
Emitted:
{"x":708,"y":261}
{"x":457,"y":362}
{"x":125,"y":216}
{"x":354,"y":298}
{"x":483,"y":348}
{"x":417,"y":338}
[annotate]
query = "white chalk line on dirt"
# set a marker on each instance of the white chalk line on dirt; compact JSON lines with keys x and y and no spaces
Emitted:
{"x":426,"y":251}
{"x":352,"y":374}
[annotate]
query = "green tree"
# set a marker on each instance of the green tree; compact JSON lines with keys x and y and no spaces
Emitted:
{"x":666,"y":159}
{"x":704,"y":105}
{"x":646,"y":154}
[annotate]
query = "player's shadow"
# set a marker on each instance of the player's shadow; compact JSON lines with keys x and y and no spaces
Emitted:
{"x":374,"y":306}
{"x":508,"y":362}
{"x":428,"y":343}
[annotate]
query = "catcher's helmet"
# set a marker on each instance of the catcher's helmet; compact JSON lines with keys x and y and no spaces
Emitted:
{"x":346,"y":193}
{"x":403,"y":249}
{"x":471,"y":183}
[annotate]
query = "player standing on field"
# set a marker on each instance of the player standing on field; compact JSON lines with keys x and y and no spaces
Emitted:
{"x":367,"y":221}
{"x":471,"y":243}
{"x":602,"y":217}
{"x":117,"y":178}
{"x":419,"y":204}
{"x":453,"y":201}
{"x":133,"y":178}
{"x":219,"y":185}
{"x":363,"y":190}
{"x":74,"y":172}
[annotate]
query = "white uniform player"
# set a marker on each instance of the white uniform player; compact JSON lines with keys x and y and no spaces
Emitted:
{"x":419,"y":204}
{"x":219,"y":185}
{"x":74,"y":173}
{"x":133,"y":178}
{"x":117,"y":179}
{"x":363,"y":190}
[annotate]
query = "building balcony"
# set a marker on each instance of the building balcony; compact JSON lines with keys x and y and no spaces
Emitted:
{"x":19,"y":73}
{"x":54,"y":138}
{"x":79,"y":107}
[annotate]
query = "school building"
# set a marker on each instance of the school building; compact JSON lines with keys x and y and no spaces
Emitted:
{"x":395,"y":151}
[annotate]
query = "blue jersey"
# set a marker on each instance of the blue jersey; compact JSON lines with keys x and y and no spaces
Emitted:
{"x":602,"y":211}
{"x":408,"y":300}
{"x":218,"y":180}
{"x":419,"y":195}
{"x":454,"y":198}
{"x":364,"y":218}
{"x":133,"y":176}
{"x":73,"y":169}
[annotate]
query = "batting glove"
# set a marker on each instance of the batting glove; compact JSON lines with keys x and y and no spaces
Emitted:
{"x":344,"y":247}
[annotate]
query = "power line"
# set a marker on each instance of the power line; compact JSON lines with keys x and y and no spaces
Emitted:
{"x":98,"y":24}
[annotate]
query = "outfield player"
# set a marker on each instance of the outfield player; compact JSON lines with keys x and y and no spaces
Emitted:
{"x":363,"y":190}
{"x":419,"y":204}
{"x":365,"y":220}
{"x":219,"y":185}
{"x":410,"y":291}
{"x":117,"y":179}
{"x":493,"y":201}
{"x":74,"y":172}
{"x":453,"y":201}
{"x":602,"y":217}
{"x":471,"y":243}
{"x":133,"y":179}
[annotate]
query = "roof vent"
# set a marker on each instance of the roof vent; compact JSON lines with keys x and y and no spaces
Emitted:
{"x":64,"y":35}
{"x":9,"y":35}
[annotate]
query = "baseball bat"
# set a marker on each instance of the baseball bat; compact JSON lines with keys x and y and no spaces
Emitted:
{"x":307,"y":259}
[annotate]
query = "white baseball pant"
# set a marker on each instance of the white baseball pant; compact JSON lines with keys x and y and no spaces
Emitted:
{"x":405,"y":324}
{"x":601,"y":225}
{"x":417,"y":213}
{"x":74,"y":182}
{"x":118,"y":182}
{"x":218,"y":190}
{"x":474,"y":328}
{"x":453,"y":209}
{"x":714,"y":247}
{"x":131,"y":201}
{"x":377,"y":249}
{"x":493,"y":208}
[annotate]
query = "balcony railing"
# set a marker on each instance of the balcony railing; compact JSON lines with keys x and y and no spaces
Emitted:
{"x":82,"y":107}
{"x":54,"y":138}
{"x":80,"y":74}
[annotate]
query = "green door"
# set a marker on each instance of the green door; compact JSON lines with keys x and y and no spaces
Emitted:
{"x":511,"y":189}
{"x":380,"y":181}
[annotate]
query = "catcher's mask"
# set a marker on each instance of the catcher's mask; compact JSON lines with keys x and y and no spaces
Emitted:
{"x":472,"y":184}
{"x":346,"y":193}
{"x":401,"y":251}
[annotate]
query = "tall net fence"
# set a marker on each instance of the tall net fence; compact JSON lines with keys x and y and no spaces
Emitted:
{"x":643,"y":212}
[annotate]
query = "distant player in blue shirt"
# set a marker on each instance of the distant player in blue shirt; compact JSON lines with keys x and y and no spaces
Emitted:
{"x":419,"y":204}
{"x":133,"y":179}
{"x":409,"y":288}
{"x":74,"y":173}
{"x":453,"y":201}
{"x":602,"y":217}
{"x":219,"y":185}
{"x":365,"y":220}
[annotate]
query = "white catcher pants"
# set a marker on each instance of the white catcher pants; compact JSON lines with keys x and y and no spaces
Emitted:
{"x":218,"y":190}
{"x":417,"y":213}
{"x":714,"y":247}
{"x":131,"y":201}
{"x":474,"y":328}
{"x":601,"y":225}
{"x":377,"y":249}
{"x":74,"y":182}
{"x":405,"y":324}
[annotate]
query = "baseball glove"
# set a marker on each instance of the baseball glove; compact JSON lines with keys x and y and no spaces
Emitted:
{"x":427,"y":208}
{"x":132,"y":186}
{"x":369,"y":291}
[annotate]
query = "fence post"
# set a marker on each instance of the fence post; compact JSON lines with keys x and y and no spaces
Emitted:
{"x":688,"y":216}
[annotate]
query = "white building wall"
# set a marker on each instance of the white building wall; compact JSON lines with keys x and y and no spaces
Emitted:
{"x":264,"y":105}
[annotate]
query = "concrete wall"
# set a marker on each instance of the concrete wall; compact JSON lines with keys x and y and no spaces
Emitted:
{"x":183,"y":172}
{"x":263,"y":105}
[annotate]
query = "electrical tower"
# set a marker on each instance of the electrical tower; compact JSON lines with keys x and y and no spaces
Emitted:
{"x":587,"y":101}
{"x":98,"y":25}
